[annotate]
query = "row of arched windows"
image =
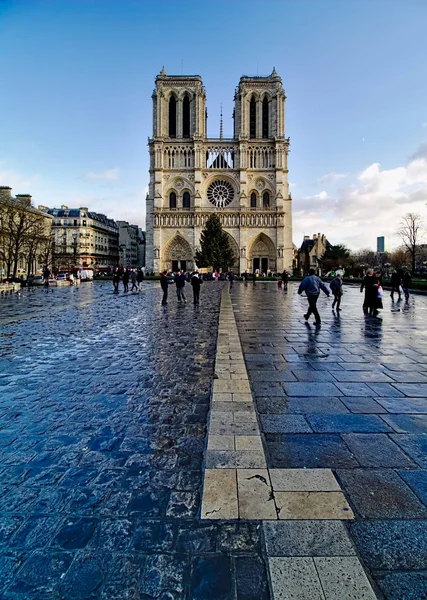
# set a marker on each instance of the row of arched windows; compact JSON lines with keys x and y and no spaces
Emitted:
{"x":253,"y":118}
{"x":265,"y":200}
{"x":173,"y":117}
{"x":185,"y":200}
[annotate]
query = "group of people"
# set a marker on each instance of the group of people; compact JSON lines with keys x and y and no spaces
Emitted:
{"x":371,"y":285}
{"x":126,"y":275}
{"x":179,"y":279}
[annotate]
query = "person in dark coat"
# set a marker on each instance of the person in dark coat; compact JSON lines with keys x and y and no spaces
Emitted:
{"x":133,"y":280}
{"x":285,"y":279}
{"x":395,"y":285}
{"x":126,"y":279}
{"x":406,"y":284}
{"x":164,"y":283}
{"x":196,"y":282}
{"x":139,"y":277}
{"x":370,"y":294}
{"x":336,"y":289}
{"x":116,"y":279}
{"x":180,"y":284}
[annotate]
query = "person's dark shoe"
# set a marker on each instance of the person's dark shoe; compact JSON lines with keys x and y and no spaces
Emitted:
{"x":306,"y":317}
{"x":317,"y":323}
{"x":338,"y":309}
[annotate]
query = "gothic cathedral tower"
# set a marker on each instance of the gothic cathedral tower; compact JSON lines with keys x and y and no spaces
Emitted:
{"x":244,"y":179}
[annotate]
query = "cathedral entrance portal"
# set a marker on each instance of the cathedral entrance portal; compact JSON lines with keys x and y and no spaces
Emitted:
{"x":263,"y":254}
{"x":178,"y":254}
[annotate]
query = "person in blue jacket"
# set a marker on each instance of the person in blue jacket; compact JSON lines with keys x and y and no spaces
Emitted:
{"x":311,"y":285}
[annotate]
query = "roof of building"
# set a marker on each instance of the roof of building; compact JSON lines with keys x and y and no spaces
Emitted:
{"x":79,"y":212}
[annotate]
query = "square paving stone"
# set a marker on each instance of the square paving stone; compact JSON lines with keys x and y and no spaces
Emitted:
{"x":10,"y":562}
{"x":239,"y":538}
{"x":123,"y":577}
{"x":219,"y":499}
{"x":355,"y":389}
{"x":407,"y":423}
{"x":248,"y":442}
{"x":294,"y":578}
{"x":312,"y":389}
{"x":311,"y":376}
{"x":404,"y":405}
{"x":417,"y":481}
{"x":303,"y":480}
{"x":284,"y":424}
{"x":344,"y":423}
{"x":414,"y":445}
{"x":254,"y":494}
{"x":75,"y":533}
{"x":270,"y":375}
{"x":307,"y":538}
{"x":251,"y":578}
{"x":273,"y":388}
{"x":211,"y":578}
{"x":412,"y":389}
{"x":386,"y":390}
{"x":308,"y":451}
{"x":41,"y":573}
{"x":391,"y":545}
{"x":343,"y":577}
{"x":408,"y":377}
{"x":8,"y":525}
{"x":312,"y":505}
{"x":36,"y":532}
{"x":362,"y":376}
{"x":380,"y":494}
{"x":165,"y":575}
{"x":377,"y":450}
{"x":363,"y":404}
{"x":396,"y":586}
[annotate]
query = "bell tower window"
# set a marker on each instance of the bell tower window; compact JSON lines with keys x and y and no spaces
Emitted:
{"x":186,"y":117}
{"x":172,"y":200}
{"x":252,"y":118}
{"x":265,"y":118}
{"x":253,"y":200}
{"x":172,"y":117}
{"x":266,"y":200}
{"x":186,"y":200}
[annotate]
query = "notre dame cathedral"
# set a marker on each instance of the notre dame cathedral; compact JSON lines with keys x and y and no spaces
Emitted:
{"x":244,"y":179}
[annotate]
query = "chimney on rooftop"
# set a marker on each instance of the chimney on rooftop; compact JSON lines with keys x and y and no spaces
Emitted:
{"x":63,"y":207}
{"x":25,"y":199}
{"x":5,"y":192}
{"x":84,"y":208}
{"x":43,"y":208}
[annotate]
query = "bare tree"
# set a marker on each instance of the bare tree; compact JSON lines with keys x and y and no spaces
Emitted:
{"x":411,"y":232}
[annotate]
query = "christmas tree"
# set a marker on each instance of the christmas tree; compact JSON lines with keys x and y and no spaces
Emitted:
{"x":215,"y":250}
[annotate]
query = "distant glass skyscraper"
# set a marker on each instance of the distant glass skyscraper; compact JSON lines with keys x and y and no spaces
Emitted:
{"x":381,"y":244}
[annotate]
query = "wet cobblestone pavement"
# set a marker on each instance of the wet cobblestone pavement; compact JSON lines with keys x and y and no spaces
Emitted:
{"x":351,"y":397}
{"x":104,"y":404}
{"x":103,"y":409}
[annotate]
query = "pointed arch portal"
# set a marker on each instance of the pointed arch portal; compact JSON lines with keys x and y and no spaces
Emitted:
{"x":178,"y":254}
{"x":262,"y":254}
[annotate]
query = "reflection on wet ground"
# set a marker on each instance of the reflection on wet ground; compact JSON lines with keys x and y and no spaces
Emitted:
{"x":103,"y":409}
{"x":350,"y":396}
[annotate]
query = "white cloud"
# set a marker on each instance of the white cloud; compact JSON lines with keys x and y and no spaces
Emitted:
{"x":107,"y":175}
{"x":330,"y":178}
{"x":372,"y":206}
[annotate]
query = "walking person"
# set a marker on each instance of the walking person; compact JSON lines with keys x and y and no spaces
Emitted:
{"x":376,"y":302}
{"x":406,"y":284}
{"x":133,"y":280}
{"x":285,"y":279}
{"x":116,"y":279}
{"x":46,"y":275}
{"x":196,"y":282}
{"x":180,"y":284}
{"x":164,"y":283}
{"x":395,"y":285}
{"x":231,"y":278}
{"x":125,"y":279}
{"x":367,"y":285}
{"x":139,"y":277}
{"x":336,"y":289}
{"x":311,"y":285}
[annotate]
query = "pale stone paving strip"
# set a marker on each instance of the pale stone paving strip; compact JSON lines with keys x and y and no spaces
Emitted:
{"x":313,"y":557}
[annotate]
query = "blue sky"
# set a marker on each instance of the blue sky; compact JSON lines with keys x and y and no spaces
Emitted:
{"x":77,"y":78}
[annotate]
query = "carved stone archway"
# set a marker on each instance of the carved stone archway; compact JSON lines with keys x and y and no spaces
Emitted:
{"x":178,"y":254}
{"x":262,"y":254}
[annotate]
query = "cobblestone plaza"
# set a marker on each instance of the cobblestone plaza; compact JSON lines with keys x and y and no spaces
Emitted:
{"x":222,"y":451}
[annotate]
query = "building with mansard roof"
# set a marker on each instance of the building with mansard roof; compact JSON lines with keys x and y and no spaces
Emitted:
{"x":244,"y":178}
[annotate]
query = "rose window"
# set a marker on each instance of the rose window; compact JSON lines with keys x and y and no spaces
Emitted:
{"x":220,"y":193}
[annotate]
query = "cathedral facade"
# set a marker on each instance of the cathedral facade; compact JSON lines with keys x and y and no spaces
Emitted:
{"x":244,"y":179}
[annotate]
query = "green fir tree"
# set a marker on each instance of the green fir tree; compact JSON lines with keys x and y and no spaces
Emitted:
{"x":215,"y":250}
